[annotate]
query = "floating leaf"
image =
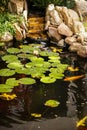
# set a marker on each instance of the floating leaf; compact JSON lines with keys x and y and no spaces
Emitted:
{"x":27,"y":81}
{"x":70,"y":68}
{"x":9,"y":58}
{"x":24,"y":55}
{"x":36,"y":59}
{"x":13,"y":50}
{"x":12,"y":81}
{"x":36,"y":115}
{"x":15,"y":65}
{"x":47,"y":79}
{"x":6,"y":72}
{"x":5,"y":88}
{"x":23,"y":71}
{"x":52,"y":103}
{"x":44,"y":53}
{"x":82,"y":122}
{"x":56,"y":75}
{"x":8,"y":96}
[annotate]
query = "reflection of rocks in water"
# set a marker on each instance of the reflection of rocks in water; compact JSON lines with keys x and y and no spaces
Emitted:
{"x":71,"y":102}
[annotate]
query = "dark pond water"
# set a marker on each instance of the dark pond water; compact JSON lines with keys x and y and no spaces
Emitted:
{"x":72,"y":96}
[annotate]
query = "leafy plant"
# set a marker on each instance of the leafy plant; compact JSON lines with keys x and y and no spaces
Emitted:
{"x":44,"y":3}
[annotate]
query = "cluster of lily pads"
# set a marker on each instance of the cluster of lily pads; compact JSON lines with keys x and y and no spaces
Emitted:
{"x":34,"y":63}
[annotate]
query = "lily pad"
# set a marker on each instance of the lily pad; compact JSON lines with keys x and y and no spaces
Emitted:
{"x":15,"y":65}
{"x":13,"y":50}
{"x":24,"y":55}
{"x":9,"y":58}
{"x":23,"y":71}
{"x":12,"y":81}
{"x":27,"y":81}
{"x":47,"y":79}
{"x":56,"y":75}
{"x":36,"y":59}
{"x":5,"y":88}
{"x":52,"y":103}
{"x":6,"y":72}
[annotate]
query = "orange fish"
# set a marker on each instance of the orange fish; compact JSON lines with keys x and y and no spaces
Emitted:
{"x":73,"y":78}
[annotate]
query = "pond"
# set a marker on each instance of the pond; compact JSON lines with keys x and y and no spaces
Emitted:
{"x":68,"y":93}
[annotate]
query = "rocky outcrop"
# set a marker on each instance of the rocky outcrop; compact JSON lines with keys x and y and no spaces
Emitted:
{"x":63,"y":25}
{"x":19,"y":7}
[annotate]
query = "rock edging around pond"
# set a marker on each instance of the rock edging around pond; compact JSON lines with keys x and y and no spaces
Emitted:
{"x":63,"y":25}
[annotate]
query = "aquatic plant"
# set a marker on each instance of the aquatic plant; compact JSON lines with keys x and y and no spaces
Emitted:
{"x":52,"y":103}
{"x":46,"y":66}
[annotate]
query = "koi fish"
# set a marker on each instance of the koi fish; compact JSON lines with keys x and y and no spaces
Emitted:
{"x":73,"y":69}
{"x":81,"y":122}
{"x":73,"y":78}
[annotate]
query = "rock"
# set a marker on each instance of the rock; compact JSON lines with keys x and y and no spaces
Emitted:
{"x":75,"y":47}
{"x":82,"y":51}
{"x":82,"y":37}
{"x":73,"y":15}
{"x":17,"y":6}
{"x":53,"y":34}
{"x":78,"y":27}
{"x":54,"y":18}
{"x":66,"y":18}
{"x":81,"y":8}
{"x":6,"y":37}
{"x":18,"y":33}
{"x":61,"y":43}
{"x":70,"y":40}
{"x":64,"y":30}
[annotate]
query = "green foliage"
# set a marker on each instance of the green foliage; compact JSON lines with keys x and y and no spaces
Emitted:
{"x":44,"y":3}
{"x":52,"y":103}
{"x":4,"y":3}
{"x":6,"y":22}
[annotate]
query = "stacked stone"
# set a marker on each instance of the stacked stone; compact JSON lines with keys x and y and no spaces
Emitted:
{"x":63,"y":25}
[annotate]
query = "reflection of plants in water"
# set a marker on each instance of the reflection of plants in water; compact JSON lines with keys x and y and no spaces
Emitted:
{"x":45,"y":66}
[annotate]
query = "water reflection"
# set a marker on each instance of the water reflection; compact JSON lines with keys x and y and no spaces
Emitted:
{"x":72,"y":96}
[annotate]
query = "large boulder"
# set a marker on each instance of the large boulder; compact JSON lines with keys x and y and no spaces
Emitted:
{"x":64,"y":30}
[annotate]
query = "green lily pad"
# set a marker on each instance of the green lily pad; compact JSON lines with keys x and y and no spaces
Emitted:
{"x":44,"y":53}
{"x":52,"y":103}
{"x":47,"y":79}
{"x":56,"y":75}
{"x":13,"y":50}
{"x":27,"y":81}
{"x":15,"y":65}
{"x":5,"y":88}
{"x":27,"y":49}
{"x":54,"y":57}
{"x":6,"y":72}
{"x":24,"y":55}
{"x":36,"y":59}
{"x":22,"y":71}
{"x":9,"y":58}
{"x":12,"y":81}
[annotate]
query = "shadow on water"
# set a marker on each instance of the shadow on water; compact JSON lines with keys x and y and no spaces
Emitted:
{"x":72,"y":96}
